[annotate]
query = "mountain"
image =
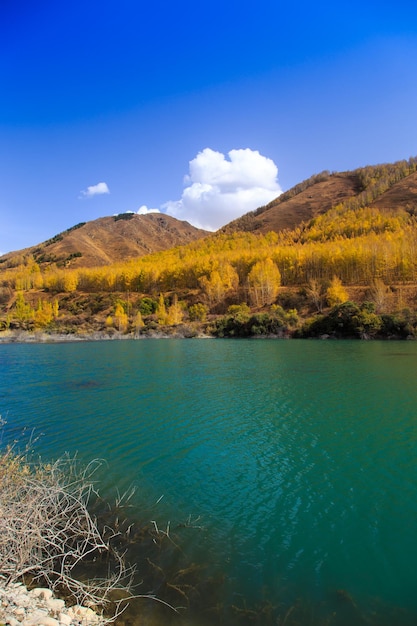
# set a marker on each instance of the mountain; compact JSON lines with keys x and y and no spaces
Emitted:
{"x":385,"y":187}
{"x":107,"y":240}
{"x":300,"y":204}
{"x":402,"y":195}
{"x":110,"y":240}
{"x":341,"y":240}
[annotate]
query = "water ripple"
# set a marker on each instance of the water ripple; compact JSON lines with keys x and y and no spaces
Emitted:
{"x":299,"y":456}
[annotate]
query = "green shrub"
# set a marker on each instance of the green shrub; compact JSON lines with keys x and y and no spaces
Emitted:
{"x":260,"y":324}
{"x":148,"y":306}
{"x":394,"y":326}
{"x":347,"y":320}
{"x":197,"y":312}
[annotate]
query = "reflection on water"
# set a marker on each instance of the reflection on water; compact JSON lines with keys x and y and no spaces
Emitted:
{"x":297,"y":458}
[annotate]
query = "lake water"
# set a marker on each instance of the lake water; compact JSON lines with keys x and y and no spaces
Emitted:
{"x":286,"y":471}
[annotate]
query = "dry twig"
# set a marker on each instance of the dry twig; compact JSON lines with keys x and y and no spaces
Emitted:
{"x":47,"y":529}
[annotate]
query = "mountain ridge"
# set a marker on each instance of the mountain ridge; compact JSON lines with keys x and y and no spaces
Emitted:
{"x":109,"y":240}
{"x":351,"y":266}
{"x":385,"y":187}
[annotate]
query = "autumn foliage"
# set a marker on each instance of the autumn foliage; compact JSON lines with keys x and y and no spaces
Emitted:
{"x":353,"y":244}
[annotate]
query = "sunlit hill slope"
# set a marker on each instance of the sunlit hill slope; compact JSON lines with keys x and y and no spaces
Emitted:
{"x":336,"y":237}
{"x":109,"y":240}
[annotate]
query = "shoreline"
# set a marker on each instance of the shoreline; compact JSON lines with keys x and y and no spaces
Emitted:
{"x":182,"y":332}
{"x":22,"y":336}
{"x":38,"y":337}
{"x":40,"y":607}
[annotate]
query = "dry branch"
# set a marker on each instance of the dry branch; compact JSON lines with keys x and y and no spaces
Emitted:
{"x":47,"y":529}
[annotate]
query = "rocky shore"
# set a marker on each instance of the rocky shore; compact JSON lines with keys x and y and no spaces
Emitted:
{"x":39,"y":607}
{"x":23,"y":336}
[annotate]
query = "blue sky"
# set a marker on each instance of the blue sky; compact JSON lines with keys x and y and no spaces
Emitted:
{"x":203,"y":110}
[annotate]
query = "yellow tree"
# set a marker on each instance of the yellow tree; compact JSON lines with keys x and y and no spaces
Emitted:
{"x":219,"y":282}
{"x":379,"y":294}
{"x":69,"y":281}
{"x":23,"y":311}
{"x":336,"y":293}
{"x":61,"y":280}
{"x":264,"y":281}
{"x":28,"y":276}
{"x":161,"y":311}
{"x":109,"y":321}
{"x":44,"y":314}
{"x":120,"y":318}
{"x":213,"y":287}
{"x":175,"y":312}
{"x":139,"y":323}
{"x":315,"y":294}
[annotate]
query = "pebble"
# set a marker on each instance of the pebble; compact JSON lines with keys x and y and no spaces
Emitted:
{"x":39,"y":607}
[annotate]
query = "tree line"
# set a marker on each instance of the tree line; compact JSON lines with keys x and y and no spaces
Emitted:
{"x":358,"y":247}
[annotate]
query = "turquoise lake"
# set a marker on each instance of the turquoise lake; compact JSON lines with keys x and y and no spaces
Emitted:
{"x":286,"y":471}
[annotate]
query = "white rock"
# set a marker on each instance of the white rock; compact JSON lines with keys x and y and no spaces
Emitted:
{"x":50,"y":621}
{"x":36,"y":617}
{"x":38,"y":612}
{"x":19,"y":613}
{"x":42,"y":593}
{"x":83,"y":614}
{"x":74,"y":612}
{"x":55,"y":605}
{"x":64,"y":619}
{"x":39,"y":607}
{"x":43,"y":621}
{"x":22,"y":600}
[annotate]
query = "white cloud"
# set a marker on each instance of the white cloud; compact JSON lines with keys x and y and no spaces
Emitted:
{"x":95,"y":190}
{"x":220,"y":190}
{"x":143,"y":210}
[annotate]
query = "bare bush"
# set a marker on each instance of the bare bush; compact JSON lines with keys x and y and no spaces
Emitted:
{"x":47,"y":529}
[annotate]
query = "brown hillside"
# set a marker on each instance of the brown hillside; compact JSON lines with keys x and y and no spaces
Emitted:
{"x":402,"y":195}
{"x":111,"y":239}
{"x":292,"y":208}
